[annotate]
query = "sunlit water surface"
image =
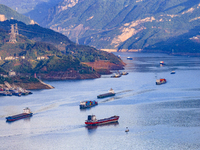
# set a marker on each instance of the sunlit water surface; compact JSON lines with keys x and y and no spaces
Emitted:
{"x":159,"y":117}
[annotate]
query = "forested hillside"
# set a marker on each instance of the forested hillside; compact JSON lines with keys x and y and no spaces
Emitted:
{"x":7,"y":13}
{"x":132,"y":24}
{"x":47,"y":53}
{"x":120,"y":24}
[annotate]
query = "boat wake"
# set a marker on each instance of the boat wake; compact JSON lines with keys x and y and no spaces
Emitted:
{"x":125,"y":91}
{"x":2,"y":116}
{"x":117,"y":97}
{"x":54,"y":105}
{"x":62,"y":129}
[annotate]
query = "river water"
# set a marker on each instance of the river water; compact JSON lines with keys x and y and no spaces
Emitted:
{"x":159,"y":117}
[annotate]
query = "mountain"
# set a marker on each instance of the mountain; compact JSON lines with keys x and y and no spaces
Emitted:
{"x":40,"y":10}
{"x":148,"y":25}
{"x":25,"y":6}
{"x":126,"y":24}
{"x":185,"y":44}
{"x":34,"y":9}
{"x":48,"y":53}
{"x":7,"y":13}
{"x":36,"y":33}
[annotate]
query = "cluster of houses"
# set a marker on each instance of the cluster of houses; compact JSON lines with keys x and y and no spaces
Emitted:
{"x":11,"y":73}
{"x":23,"y":57}
{"x":13,"y":58}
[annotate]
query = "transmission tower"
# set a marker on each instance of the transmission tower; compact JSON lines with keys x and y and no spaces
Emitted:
{"x":13,"y":34}
{"x":16,"y":29}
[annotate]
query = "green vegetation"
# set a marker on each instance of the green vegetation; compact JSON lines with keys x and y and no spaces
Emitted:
{"x":36,"y":33}
{"x":3,"y":71}
{"x":181,"y":44}
{"x":9,"y":13}
{"x":19,"y":65}
{"x":142,"y":24}
{"x":88,"y":54}
{"x":18,"y":79}
{"x":36,"y":51}
{"x":63,"y":63}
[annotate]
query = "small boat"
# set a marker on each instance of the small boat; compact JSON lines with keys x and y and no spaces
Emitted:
{"x":24,"y":91}
{"x":127,"y":130}
{"x":116,"y":75}
{"x":110,"y":93}
{"x":9,"y":93}
{"x":15,"y":92}
{"x":124,"y":73}
{"x":26,"y":113}
{"x":129,"y":58}
{"x":160,"y":81}
{"x":162,"y":62}
{"x":173,"y":72}
{"x":92,"y":121}
{"x":5,"y":93}
{"x":87,"y":104}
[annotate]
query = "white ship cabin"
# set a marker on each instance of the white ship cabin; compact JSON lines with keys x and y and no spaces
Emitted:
{"x":111,"y":91}
{"x":83,"y":103}
{"x":157,"y":80}
{"x":92,"y":118}
{"x":27,"y":110}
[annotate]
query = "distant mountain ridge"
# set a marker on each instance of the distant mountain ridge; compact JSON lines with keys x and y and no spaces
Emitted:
{"x":7,"y":13}
{"x":34,"y":9}
{"x":123,"y":24}
{"x":132,"y":24}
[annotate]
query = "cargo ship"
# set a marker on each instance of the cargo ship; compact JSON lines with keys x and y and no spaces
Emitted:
{"x":173,"y":72}
{"x":92,"y":121}
{"x":88,"y":104}
{"x":160,"y":81}
{"x":26,"y":113}
{"x":110,"y":93}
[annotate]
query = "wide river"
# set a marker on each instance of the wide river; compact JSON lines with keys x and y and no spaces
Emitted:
{"x":159,"y":117}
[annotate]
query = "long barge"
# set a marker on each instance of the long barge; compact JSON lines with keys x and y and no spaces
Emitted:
{"x":110,"y":93}
{"x":92,"y":121}
{"x":26,"y":113}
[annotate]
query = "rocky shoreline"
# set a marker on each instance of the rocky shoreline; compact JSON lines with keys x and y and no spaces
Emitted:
{"x":100,"y":67}
{"x":34,"y":85}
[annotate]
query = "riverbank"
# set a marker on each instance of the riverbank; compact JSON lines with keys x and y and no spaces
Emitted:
{"x":34,"y":85}
{"x":104,"y":67}
{"x":100,"y":67}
